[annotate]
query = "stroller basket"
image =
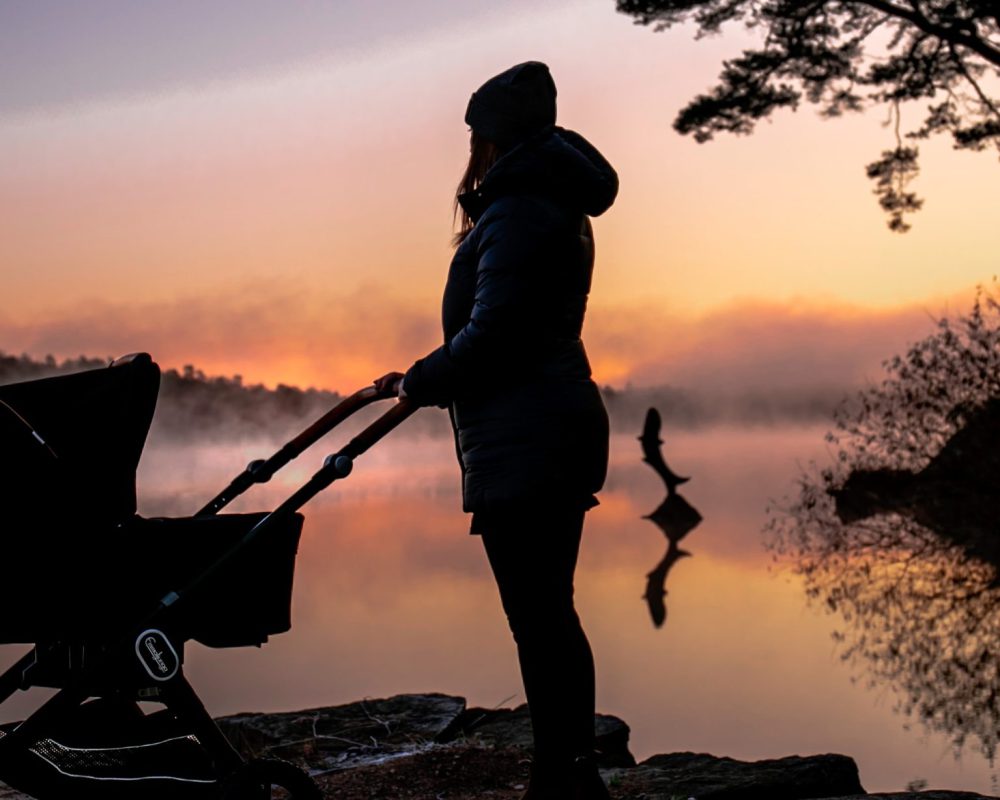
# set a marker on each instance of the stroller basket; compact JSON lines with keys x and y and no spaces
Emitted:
{"x":105,"y":749}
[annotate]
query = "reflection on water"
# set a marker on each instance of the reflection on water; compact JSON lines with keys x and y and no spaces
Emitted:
{"x":909,"y":559}
{"x":954,"y":494}
{"x":391,"y":595}
{"x":674,"y":514}
{"x":675,"y":517}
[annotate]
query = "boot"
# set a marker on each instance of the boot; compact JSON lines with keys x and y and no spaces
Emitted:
{"x":548,"y":782}
{"x":586,"y":781}
{"x":575,"y":780}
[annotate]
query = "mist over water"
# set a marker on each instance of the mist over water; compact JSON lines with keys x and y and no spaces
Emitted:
{"x":193,"y":407}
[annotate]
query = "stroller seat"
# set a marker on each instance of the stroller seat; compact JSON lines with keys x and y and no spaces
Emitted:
{"x":76,"y":564}
{"x":92,"y":589}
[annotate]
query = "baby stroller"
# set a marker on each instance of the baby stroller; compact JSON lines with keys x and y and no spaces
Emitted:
{"x":108,"y":599}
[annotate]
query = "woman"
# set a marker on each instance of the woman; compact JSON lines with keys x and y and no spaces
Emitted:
{"x":531,"y":429}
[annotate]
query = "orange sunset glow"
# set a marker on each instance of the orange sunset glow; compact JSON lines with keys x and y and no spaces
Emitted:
{"x":290,"y":220}
{"x":260,"y":194}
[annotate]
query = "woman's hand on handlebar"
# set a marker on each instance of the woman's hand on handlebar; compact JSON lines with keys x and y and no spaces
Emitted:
{"x":391,"y":383}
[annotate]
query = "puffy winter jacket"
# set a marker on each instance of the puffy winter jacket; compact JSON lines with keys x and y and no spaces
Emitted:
{"x":529,"y":422}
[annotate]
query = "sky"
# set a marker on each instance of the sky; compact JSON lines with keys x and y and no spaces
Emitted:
{"x":265,"y":188}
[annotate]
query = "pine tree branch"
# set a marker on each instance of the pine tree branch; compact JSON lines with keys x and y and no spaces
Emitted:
{"x":946,"y":32}
{"x":985,"y":99}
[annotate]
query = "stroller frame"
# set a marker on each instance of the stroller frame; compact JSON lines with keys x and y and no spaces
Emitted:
{"x":146,"y":661}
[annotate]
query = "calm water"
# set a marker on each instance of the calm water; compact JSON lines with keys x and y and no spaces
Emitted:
{"x":392,"y":596}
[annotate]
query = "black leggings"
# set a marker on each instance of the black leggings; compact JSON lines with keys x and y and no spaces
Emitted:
{"x":533,"y":557}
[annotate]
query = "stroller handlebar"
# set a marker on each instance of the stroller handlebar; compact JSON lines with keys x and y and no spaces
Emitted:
{"x":345,"y":408}
{"x":340,"y":464}
{"x":336,"y":466}
{"x":378,"y":429}
{"x":262,"y":470}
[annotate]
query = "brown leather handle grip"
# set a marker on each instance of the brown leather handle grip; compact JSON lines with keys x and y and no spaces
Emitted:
{"x":379,"y":428}
{"x":332,"y":418}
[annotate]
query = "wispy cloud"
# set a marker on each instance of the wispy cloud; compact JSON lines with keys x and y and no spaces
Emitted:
{"x":270,"y":332}
{"x":266,"y":332}
{"x":754,"y":346}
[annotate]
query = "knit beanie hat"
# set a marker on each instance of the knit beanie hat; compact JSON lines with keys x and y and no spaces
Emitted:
{"x":511,"y":106}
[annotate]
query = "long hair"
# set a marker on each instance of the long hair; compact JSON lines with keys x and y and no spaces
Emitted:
{"x":483,"y":154}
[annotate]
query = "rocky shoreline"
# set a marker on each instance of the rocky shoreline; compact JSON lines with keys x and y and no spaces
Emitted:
{"x":433,"y":747}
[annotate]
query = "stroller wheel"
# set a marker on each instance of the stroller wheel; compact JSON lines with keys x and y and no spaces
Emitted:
{"x":267,"y":778}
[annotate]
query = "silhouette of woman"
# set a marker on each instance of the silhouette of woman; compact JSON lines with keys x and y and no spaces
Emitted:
{"x":530,"y":426}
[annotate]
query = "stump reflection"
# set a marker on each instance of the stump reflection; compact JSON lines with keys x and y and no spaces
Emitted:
{"x":675,"y":517}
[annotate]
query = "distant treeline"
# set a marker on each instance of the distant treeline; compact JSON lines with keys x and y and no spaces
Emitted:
{"x":693,"y":408}
{"x":193,"y":405}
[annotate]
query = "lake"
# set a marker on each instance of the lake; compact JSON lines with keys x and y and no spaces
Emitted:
{"x":393,"y":596}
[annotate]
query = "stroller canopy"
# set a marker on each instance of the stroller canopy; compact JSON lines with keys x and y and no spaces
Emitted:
{"x":70,"y":444}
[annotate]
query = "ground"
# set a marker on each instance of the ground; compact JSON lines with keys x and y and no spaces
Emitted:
{"x":460,"y":772}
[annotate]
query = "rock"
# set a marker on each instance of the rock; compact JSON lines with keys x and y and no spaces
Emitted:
{"x":343,"y":737}
{"x":934,"y":794}
{"x":612,"y":742}
{"x":511,"y":728}
{"x":452,"y":772}
{"x":708,"y":777}
{"x":429,"y":746}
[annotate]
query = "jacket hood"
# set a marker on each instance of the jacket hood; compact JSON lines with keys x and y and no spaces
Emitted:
{"x":556,"y":163}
